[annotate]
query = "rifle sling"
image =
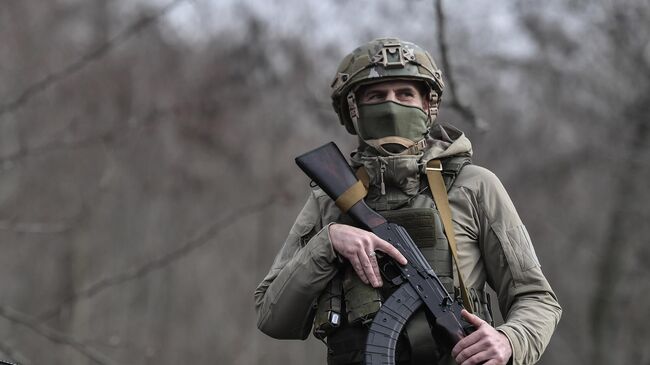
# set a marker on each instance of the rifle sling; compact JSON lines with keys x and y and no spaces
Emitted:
{"x":439,"y":193}
{"x":351,"y":196}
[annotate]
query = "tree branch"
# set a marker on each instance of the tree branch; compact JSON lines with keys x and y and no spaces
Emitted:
{"x":618,"y":239}
{"x":37,"y":227}
{"x":60,"y":226}
{"x":13,"y":355}
{"x":11,"y":160}
{"x":465,"y":110}
{"x":149,"y":119}
{"x":53,"y":335}
{"x":103,"y":49}
{"x":200,"y":239}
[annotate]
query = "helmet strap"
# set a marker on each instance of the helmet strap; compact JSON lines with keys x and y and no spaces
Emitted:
{"x":353,"y":109}
{"x":434,"y":102}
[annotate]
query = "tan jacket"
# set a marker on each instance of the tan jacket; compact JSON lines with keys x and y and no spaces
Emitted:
{"x":493,"y":248}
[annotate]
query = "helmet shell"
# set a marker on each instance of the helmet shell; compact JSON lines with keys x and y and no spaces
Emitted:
{"x":380,"y":60}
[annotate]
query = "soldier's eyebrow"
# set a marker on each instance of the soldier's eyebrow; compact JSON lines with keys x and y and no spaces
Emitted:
{"x":370,"y":91}
{"x":407,"y":88}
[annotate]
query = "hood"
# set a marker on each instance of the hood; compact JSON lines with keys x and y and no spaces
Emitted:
{"x":446,"y":141}
{"x":394,"y":180}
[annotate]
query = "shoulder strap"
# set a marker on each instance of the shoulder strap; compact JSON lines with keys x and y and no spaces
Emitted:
{"x":451,"y":168}
{"x":439,"y":193}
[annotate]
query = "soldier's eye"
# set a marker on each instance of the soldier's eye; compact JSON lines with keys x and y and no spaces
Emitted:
{"x":372,"y":96}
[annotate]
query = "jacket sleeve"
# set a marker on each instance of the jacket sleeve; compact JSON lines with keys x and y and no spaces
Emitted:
{"x":529,"y":306}
{"x":285,"y":299}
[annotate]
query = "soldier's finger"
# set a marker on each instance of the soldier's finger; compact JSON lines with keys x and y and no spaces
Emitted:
{"x":389,"y":249}
{"x":358,"y":268}
{"x":491,"y":362}
{"x":375,"y":266}
{"x":467,"y":353}
{"x":478,"y":358}
{"x":368,"y":269}
{"x":472,"y":319}
{"x":466,"y":343}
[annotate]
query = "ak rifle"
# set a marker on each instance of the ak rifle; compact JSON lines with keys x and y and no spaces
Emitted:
{"x":417,"y":283}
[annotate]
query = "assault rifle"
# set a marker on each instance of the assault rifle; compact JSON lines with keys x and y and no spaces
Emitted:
{"x":417,"y":283}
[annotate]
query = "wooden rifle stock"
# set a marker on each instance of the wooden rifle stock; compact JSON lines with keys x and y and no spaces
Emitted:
{"x":327,"y":167}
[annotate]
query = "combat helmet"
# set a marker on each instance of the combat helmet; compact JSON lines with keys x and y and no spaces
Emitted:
{"x":380,"y":60}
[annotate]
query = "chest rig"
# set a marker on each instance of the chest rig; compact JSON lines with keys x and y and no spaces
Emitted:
{"x":401,"y":190}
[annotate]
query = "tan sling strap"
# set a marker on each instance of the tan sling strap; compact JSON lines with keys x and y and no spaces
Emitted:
{"x":362,"y":174}
{"x":351,"y":196}
{"x":439,"y":193}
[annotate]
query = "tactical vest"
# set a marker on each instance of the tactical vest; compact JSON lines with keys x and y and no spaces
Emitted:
{"x":348,"y":305}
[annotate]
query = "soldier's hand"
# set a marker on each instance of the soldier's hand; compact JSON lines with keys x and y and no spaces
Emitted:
{"x":486,"y":345}
{"x":358,"y":246}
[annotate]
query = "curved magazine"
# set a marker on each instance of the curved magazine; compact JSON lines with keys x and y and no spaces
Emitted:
{"x":388,"y":324}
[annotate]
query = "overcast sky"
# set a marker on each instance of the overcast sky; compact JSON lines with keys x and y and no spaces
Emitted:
{"x":350,"y":23}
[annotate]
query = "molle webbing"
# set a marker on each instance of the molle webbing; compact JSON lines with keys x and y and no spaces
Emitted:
{"x":329,"y":303}
{"x":425,"y":228}
{"x":362,"y":301}
{"x":481,"y":303}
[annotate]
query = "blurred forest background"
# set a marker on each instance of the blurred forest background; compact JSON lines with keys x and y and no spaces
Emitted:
{"x":147,"y":175}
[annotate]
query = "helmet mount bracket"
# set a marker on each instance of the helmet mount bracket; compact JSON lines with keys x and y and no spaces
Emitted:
{"x":393,"y":55}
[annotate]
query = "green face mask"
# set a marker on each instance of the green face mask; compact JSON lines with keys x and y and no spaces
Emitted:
{"x":391,"y":119}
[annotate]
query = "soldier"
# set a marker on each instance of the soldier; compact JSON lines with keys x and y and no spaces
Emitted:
{"x":387,"y":93}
